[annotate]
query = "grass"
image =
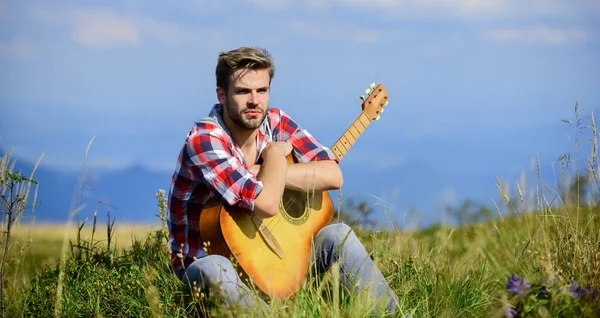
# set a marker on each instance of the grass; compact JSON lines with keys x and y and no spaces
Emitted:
{"x":38,"y":245}
{"x":442,"y":271}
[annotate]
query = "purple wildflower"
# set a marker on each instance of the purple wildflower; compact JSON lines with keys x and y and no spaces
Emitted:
{"x":575,"y":290}
{"x":511,"y":312}
{"x":585,"y":292}
{"x":517,"y":284}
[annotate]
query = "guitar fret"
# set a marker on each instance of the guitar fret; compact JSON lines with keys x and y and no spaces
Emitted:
{"x":359,"y":125}
{"x":347,"y":144}
{"x":337,"y":152}
{"x":364,"y":120}
{"x":355,"y":133}
{"x":341,"y":145}
{"x":347,"y":140}
{"x":350,"y":137}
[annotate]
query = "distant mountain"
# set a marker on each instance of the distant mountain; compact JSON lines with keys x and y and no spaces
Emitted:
{"x":129,"y":194}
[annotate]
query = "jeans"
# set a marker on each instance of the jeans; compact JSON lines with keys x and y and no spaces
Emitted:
{"x":215,"y":274}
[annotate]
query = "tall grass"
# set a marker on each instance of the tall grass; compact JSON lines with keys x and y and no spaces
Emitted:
{"x":540,"y":261}
{"x":15,"y":189}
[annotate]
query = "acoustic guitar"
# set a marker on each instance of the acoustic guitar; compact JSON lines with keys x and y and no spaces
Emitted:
{"x":274,"y":253}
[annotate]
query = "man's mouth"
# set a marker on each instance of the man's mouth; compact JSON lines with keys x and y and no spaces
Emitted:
{"x":253,"y":112}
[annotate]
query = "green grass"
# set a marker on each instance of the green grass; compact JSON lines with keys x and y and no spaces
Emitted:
{"x":441,"y":271}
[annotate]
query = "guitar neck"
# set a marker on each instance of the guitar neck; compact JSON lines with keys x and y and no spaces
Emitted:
{"x":347,"y":140}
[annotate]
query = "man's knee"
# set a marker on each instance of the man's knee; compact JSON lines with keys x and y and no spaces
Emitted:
{"x":214,"y":265}
{"x":211,"y":269}
{"x":337,"y":235}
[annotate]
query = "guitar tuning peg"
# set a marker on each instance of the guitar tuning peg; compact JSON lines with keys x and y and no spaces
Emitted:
{"x":362,"y":97}
{"x":382,"y":110}
{"x":386,"y":103}
{"x":372,"y":85}
{"x":367,"y":91}
{"x":377,"y":118}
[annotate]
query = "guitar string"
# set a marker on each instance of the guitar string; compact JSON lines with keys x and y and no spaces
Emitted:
{"x":269,"y":225}
{"x":274,"y":222}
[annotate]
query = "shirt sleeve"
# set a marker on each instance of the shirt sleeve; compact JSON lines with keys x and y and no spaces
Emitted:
{"x":217,"y":166}
{"x":306,"y":147}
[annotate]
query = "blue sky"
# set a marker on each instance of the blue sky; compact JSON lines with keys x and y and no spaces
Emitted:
{"x":475,"y":86}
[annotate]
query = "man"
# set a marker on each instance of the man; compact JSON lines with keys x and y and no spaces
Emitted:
{"x":238,"y":155}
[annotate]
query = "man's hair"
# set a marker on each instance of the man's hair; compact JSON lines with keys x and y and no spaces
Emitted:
{"x":242,"y":58}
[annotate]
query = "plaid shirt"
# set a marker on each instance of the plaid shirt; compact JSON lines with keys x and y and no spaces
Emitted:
{"x":211,"y":164}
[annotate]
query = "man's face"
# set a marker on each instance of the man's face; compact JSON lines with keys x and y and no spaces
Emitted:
{"x":247,"y":99}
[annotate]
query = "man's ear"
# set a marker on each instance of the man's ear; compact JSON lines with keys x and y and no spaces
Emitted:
{"x":221,"y":95}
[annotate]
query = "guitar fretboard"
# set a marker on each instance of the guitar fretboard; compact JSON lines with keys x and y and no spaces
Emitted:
{"x":341,"y":147}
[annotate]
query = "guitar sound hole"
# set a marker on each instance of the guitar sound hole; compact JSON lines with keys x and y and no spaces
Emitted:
{"x":294,"y":203}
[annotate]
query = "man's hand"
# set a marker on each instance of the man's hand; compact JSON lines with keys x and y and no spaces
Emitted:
{"x":277,"y":148}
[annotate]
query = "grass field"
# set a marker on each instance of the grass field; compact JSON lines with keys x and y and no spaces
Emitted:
{"x":539,"y":263}
{"x":436,"y":272}
{"x":40,"y":245}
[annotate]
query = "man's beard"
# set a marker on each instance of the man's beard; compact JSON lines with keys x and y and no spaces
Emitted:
{"x":238,"y":118}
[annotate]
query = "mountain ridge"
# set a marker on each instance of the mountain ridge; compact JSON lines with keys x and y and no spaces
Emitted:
{"x":129,"y":193}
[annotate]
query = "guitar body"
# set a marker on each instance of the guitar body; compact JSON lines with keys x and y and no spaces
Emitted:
{"x":232,"y":232}
{"x":274,"y":253}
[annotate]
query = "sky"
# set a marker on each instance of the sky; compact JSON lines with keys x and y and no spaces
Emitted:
{"x":475,"y":87}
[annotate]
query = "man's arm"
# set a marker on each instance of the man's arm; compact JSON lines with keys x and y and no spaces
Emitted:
{"x":207,"y":151}
{"x":317,"y":168}
{"x":275,"y":165}
{"x":320,"y":175}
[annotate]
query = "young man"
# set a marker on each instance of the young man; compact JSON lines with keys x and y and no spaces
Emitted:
{"x":238,"y":155}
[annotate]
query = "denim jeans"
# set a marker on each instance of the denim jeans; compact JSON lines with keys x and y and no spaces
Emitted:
{"x":215,"y":274}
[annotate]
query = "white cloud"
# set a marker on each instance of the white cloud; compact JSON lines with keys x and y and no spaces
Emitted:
{"x":104,"y":28}
{"x":271,"y":3}
{"x":18,"y":47}
{"x":177,"y":34}
{"x":539,"y":35}
{"x":482,"y":10}
{"x":335,"y":32}
{"x":454,"y":5}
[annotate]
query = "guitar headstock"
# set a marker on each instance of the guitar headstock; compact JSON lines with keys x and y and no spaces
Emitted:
{"x":377,"y":98}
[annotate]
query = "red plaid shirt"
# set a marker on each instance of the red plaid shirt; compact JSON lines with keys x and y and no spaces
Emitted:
{"x":211,"y":164}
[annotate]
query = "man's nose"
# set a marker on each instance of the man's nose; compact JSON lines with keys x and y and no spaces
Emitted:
{"x":253,"y":98}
